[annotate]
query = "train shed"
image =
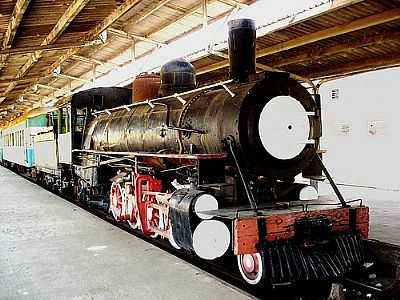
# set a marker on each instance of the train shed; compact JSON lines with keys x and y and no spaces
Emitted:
{"x":118,"y":169}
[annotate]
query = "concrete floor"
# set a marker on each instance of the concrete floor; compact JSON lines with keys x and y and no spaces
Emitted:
{"x":51,"y":249}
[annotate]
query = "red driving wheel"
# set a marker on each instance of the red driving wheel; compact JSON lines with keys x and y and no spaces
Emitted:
{"x":153,"y":219}
{"x":116,"y":196}
{"x":132,"y":209}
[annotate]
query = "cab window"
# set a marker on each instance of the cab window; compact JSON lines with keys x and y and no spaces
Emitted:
{"x":80,"y":120}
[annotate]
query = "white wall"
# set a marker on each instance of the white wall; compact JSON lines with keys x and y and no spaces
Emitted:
{"x":359,"y":156}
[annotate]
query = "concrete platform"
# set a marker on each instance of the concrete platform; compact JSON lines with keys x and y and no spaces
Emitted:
{"x":51,"y":249}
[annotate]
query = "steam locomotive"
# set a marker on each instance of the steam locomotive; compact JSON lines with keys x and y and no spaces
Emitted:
{"x":211,"y":169}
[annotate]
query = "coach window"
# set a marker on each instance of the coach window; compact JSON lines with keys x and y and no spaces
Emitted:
{"x":64,"y":120}
{"x":54,"y":117}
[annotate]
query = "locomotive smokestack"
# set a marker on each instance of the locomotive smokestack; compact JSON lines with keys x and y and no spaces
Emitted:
{"x":242,"y":49}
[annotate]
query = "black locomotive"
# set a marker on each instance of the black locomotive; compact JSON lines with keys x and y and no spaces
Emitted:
{"x":213,"y":170}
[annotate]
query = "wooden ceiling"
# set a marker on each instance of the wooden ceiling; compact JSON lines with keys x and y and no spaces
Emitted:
{"x":347,"y":37}
{"x":40,"y":36}
{"x":37,"y":37}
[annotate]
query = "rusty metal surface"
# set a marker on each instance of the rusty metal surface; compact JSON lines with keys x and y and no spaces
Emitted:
{"x":202,"y":124}
{"x":145,"y":86}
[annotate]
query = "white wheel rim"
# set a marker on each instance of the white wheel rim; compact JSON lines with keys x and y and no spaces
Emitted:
{"x":252,"y":261}
{"x":284,"y":127}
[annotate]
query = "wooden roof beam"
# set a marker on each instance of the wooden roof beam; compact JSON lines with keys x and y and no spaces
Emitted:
{"x":15,"y":20}
{"x":358,"y":67}
{"x":151,"y":11}
{"x":233,"y":3}
{"x":93,"y":33}
{"x":132,"y":36}
{"x":24,"y":79}
{"x":52,"y":47}
{"x":65,"y":76}
{"x":358,"y":24}
{"x":37,"y":97}
{"x":188,"y":12}
{"x":53,"y":88}
{"x":72,"y":11}
{"x":114,"y":16}
{"x":318,"y":53}
{"x":93,"y":61}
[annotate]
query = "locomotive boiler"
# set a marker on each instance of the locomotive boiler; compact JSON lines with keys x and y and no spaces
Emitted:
{"x":212,"y":169}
